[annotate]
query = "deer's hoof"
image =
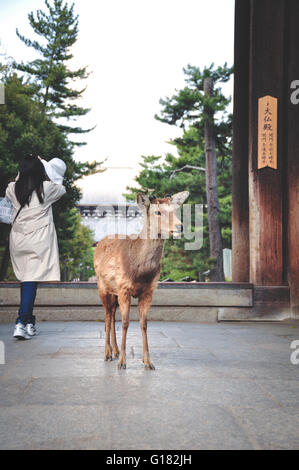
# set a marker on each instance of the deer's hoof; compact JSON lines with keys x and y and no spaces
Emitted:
{"x":116,"y":355}
{"x":149,"y":366}
{"x":108,"y":358}
{"x":122,"y":366}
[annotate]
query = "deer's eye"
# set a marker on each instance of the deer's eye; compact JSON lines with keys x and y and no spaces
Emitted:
{"x":158,"y":213}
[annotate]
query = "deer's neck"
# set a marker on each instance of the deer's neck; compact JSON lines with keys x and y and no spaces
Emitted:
{"x":152,"y":248}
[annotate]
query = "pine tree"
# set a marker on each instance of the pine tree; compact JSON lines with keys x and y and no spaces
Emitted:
{"x":58,"y":28}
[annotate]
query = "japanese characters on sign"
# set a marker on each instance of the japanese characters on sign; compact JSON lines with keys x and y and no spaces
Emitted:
{"x":267,"y":132}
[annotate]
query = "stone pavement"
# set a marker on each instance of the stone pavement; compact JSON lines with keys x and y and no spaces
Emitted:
{"x":216,"y":386}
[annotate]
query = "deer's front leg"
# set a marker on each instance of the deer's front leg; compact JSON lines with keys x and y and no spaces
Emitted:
{"x":124,"y":305}
{"x":144,"y":303}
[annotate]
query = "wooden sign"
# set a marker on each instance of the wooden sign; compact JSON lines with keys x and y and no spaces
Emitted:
{"x":267,"y":132}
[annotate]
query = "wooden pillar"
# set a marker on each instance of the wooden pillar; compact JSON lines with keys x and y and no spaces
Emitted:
{"x":292,"y":186}
{"x":240,"y":209}
{"x":266,"y":77}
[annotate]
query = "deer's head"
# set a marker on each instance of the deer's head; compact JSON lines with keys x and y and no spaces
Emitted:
{"x":161,"y":220}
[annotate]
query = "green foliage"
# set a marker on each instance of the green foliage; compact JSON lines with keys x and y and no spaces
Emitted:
{"x":77,"y":241}
{"x":25,"y":129}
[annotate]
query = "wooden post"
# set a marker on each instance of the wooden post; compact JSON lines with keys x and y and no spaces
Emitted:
{"x":240,"y":208}
{"x":217,"y":273}
{"x":266,"y":67}
{"x":292,"y":149}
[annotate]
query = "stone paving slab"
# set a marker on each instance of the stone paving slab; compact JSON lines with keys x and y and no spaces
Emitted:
{"x":216,"y":386}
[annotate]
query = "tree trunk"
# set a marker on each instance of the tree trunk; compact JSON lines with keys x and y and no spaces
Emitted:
{"x":217,"y":273}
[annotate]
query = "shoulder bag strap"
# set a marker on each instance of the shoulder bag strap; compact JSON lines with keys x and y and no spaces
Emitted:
{"x":17,"y":215}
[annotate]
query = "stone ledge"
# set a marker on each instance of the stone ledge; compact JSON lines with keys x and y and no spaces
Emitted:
{"x":86,"y":294}
{"x":269,"y":313}
{"x":164,"y":313}
{"x":161,"y":313}
{"x":161,"y":285}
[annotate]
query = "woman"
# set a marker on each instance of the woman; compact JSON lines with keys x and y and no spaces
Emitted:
{"x":33,"y":241}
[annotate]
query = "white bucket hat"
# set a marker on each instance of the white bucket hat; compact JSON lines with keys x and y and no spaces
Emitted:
{"x":55,"y":169}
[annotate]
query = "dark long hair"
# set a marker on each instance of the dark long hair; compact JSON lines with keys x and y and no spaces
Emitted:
{"x":31,"y":176}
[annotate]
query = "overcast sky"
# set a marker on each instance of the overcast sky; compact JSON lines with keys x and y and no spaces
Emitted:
{"x":136,"y":50}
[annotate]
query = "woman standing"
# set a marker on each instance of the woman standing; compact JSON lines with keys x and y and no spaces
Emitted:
{"x":33,"y":241}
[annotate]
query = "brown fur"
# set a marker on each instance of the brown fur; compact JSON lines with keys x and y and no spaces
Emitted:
{"x":128,"y":267}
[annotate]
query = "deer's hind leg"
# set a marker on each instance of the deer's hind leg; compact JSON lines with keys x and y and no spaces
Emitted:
{"x":124,"y":301}
{"x":109,"y":303}
{"x":115,"y":349}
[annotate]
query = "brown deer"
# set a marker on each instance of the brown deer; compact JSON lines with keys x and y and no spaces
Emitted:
{"x":130,"y":266}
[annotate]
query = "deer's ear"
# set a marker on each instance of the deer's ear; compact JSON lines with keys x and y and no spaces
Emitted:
{"x":143,"y":200}
{"x":179,"y":198}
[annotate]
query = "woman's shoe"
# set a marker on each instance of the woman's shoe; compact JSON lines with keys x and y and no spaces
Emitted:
{"x":20,"y":332}
{"x":31,"y":329}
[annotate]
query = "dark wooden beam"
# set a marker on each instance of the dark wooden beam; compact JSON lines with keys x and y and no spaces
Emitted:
{"x":292,"y":150}
{"x":240,"y":211}
{"x":266,"y":77}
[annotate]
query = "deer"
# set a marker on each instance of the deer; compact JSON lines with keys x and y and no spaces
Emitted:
{"x":129,"y":266}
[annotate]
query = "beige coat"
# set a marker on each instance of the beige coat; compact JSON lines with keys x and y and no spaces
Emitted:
{"x":33,"y":240}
